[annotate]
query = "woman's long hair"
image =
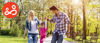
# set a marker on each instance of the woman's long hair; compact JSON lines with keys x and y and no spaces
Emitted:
{"x":29,"y":15}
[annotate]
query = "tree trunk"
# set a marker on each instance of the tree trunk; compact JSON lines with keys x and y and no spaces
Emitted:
{"x":84,"y":21}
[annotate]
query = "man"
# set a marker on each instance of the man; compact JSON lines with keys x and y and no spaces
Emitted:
{"x":62,"y":21}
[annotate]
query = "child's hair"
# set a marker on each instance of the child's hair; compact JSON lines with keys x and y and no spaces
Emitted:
{"x":43,"y":23}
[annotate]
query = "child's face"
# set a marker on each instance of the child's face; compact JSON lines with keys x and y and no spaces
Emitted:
{"x":42,"y":26}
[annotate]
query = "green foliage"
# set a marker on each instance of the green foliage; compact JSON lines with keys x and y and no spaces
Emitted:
{"x":41,"y":8}
{"x":15,"y":31}
{"x":5,"y":32}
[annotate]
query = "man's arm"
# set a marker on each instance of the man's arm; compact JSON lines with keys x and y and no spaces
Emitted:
{"x":68,"y":33}
{"x":52,"y":20}
{"x":69,"y":28}
{"x":68,"y":23}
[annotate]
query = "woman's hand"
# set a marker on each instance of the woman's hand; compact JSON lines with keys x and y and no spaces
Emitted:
{"x":40,"y":18}
{"x":25,"y":33}
{"x":24,"y":36}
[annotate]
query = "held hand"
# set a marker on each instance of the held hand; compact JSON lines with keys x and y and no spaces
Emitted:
{"x":24,"y":36}
{"x":68,"y":35}
{"x":40,"y":18}
{"x":45,"y":18}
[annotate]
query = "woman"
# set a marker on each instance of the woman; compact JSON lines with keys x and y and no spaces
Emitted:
{"x":32,"y":27}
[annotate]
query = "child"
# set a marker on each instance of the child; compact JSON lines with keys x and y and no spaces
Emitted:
{"x":43,"y":30}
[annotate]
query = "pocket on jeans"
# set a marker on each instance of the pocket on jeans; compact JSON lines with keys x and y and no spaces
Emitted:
{"x":30,"y":39}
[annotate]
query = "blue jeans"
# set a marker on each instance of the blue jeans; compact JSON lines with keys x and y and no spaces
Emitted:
{"x":58,"y":38}
{"x":32,"y":38}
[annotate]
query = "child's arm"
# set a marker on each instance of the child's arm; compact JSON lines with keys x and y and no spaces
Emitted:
{"x":40,"y":20}
{"x":45,"y":24}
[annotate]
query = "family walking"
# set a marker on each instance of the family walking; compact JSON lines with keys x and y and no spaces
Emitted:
{"x":61,"y":19}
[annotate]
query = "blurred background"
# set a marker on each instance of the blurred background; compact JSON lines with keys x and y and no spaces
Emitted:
{"x":84,"y":16}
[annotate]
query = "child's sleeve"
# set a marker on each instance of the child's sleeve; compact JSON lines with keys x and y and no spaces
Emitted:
{"x":45,"y":24}
{"x":40,"y":21}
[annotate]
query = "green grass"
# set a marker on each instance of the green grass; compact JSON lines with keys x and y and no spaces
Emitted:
{"x":12,"y":39}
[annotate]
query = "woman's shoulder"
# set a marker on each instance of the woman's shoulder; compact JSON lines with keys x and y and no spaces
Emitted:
{"x":26,"y":19}
{"x":35,"y":17}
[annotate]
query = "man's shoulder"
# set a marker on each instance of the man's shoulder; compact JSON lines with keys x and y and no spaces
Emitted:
{"x":64,"y":14}
{"x":54,"y":15}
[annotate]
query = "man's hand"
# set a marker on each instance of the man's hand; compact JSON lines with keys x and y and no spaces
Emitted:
{"x":48,"y":19}
{"x":68,"y":35}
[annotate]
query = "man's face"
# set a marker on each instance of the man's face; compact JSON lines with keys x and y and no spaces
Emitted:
{"x":54,"y":12}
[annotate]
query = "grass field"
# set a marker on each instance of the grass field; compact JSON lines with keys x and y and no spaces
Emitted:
{"x":12,"y":39}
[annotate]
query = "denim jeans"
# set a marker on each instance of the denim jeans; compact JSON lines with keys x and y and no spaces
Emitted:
{"x":58,"y":38}
{"x":32,"y":38}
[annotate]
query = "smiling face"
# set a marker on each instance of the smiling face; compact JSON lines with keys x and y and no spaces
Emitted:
{"x":32,"y":16}
{"x":43,"y":24}
{"x":54,"y":12}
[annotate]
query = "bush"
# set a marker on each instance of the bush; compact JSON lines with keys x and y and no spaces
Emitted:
{"x":5,"y":32}
{"x":15,"y":31}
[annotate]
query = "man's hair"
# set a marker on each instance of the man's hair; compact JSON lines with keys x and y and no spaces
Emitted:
{"x":53,"y":8}
{"x":43,"y":23}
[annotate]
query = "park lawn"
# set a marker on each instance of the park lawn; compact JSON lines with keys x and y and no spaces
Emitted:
{"x":12,"y":39}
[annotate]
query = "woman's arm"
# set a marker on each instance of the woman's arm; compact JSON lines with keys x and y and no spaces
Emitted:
{"x":25,"y":33}
{"x":26,"y":28}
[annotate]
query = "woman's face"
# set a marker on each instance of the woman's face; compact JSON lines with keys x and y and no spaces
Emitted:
{"x":32,"y":15}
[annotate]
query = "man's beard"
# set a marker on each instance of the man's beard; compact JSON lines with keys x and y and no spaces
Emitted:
{"x":56,"y":14}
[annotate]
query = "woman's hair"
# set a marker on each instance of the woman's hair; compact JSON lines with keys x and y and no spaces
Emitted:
{"x":29,"y":15}
{"x":43,"y":23}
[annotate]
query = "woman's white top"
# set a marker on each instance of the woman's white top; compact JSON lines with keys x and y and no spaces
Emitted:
{"x":33,"y":27}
